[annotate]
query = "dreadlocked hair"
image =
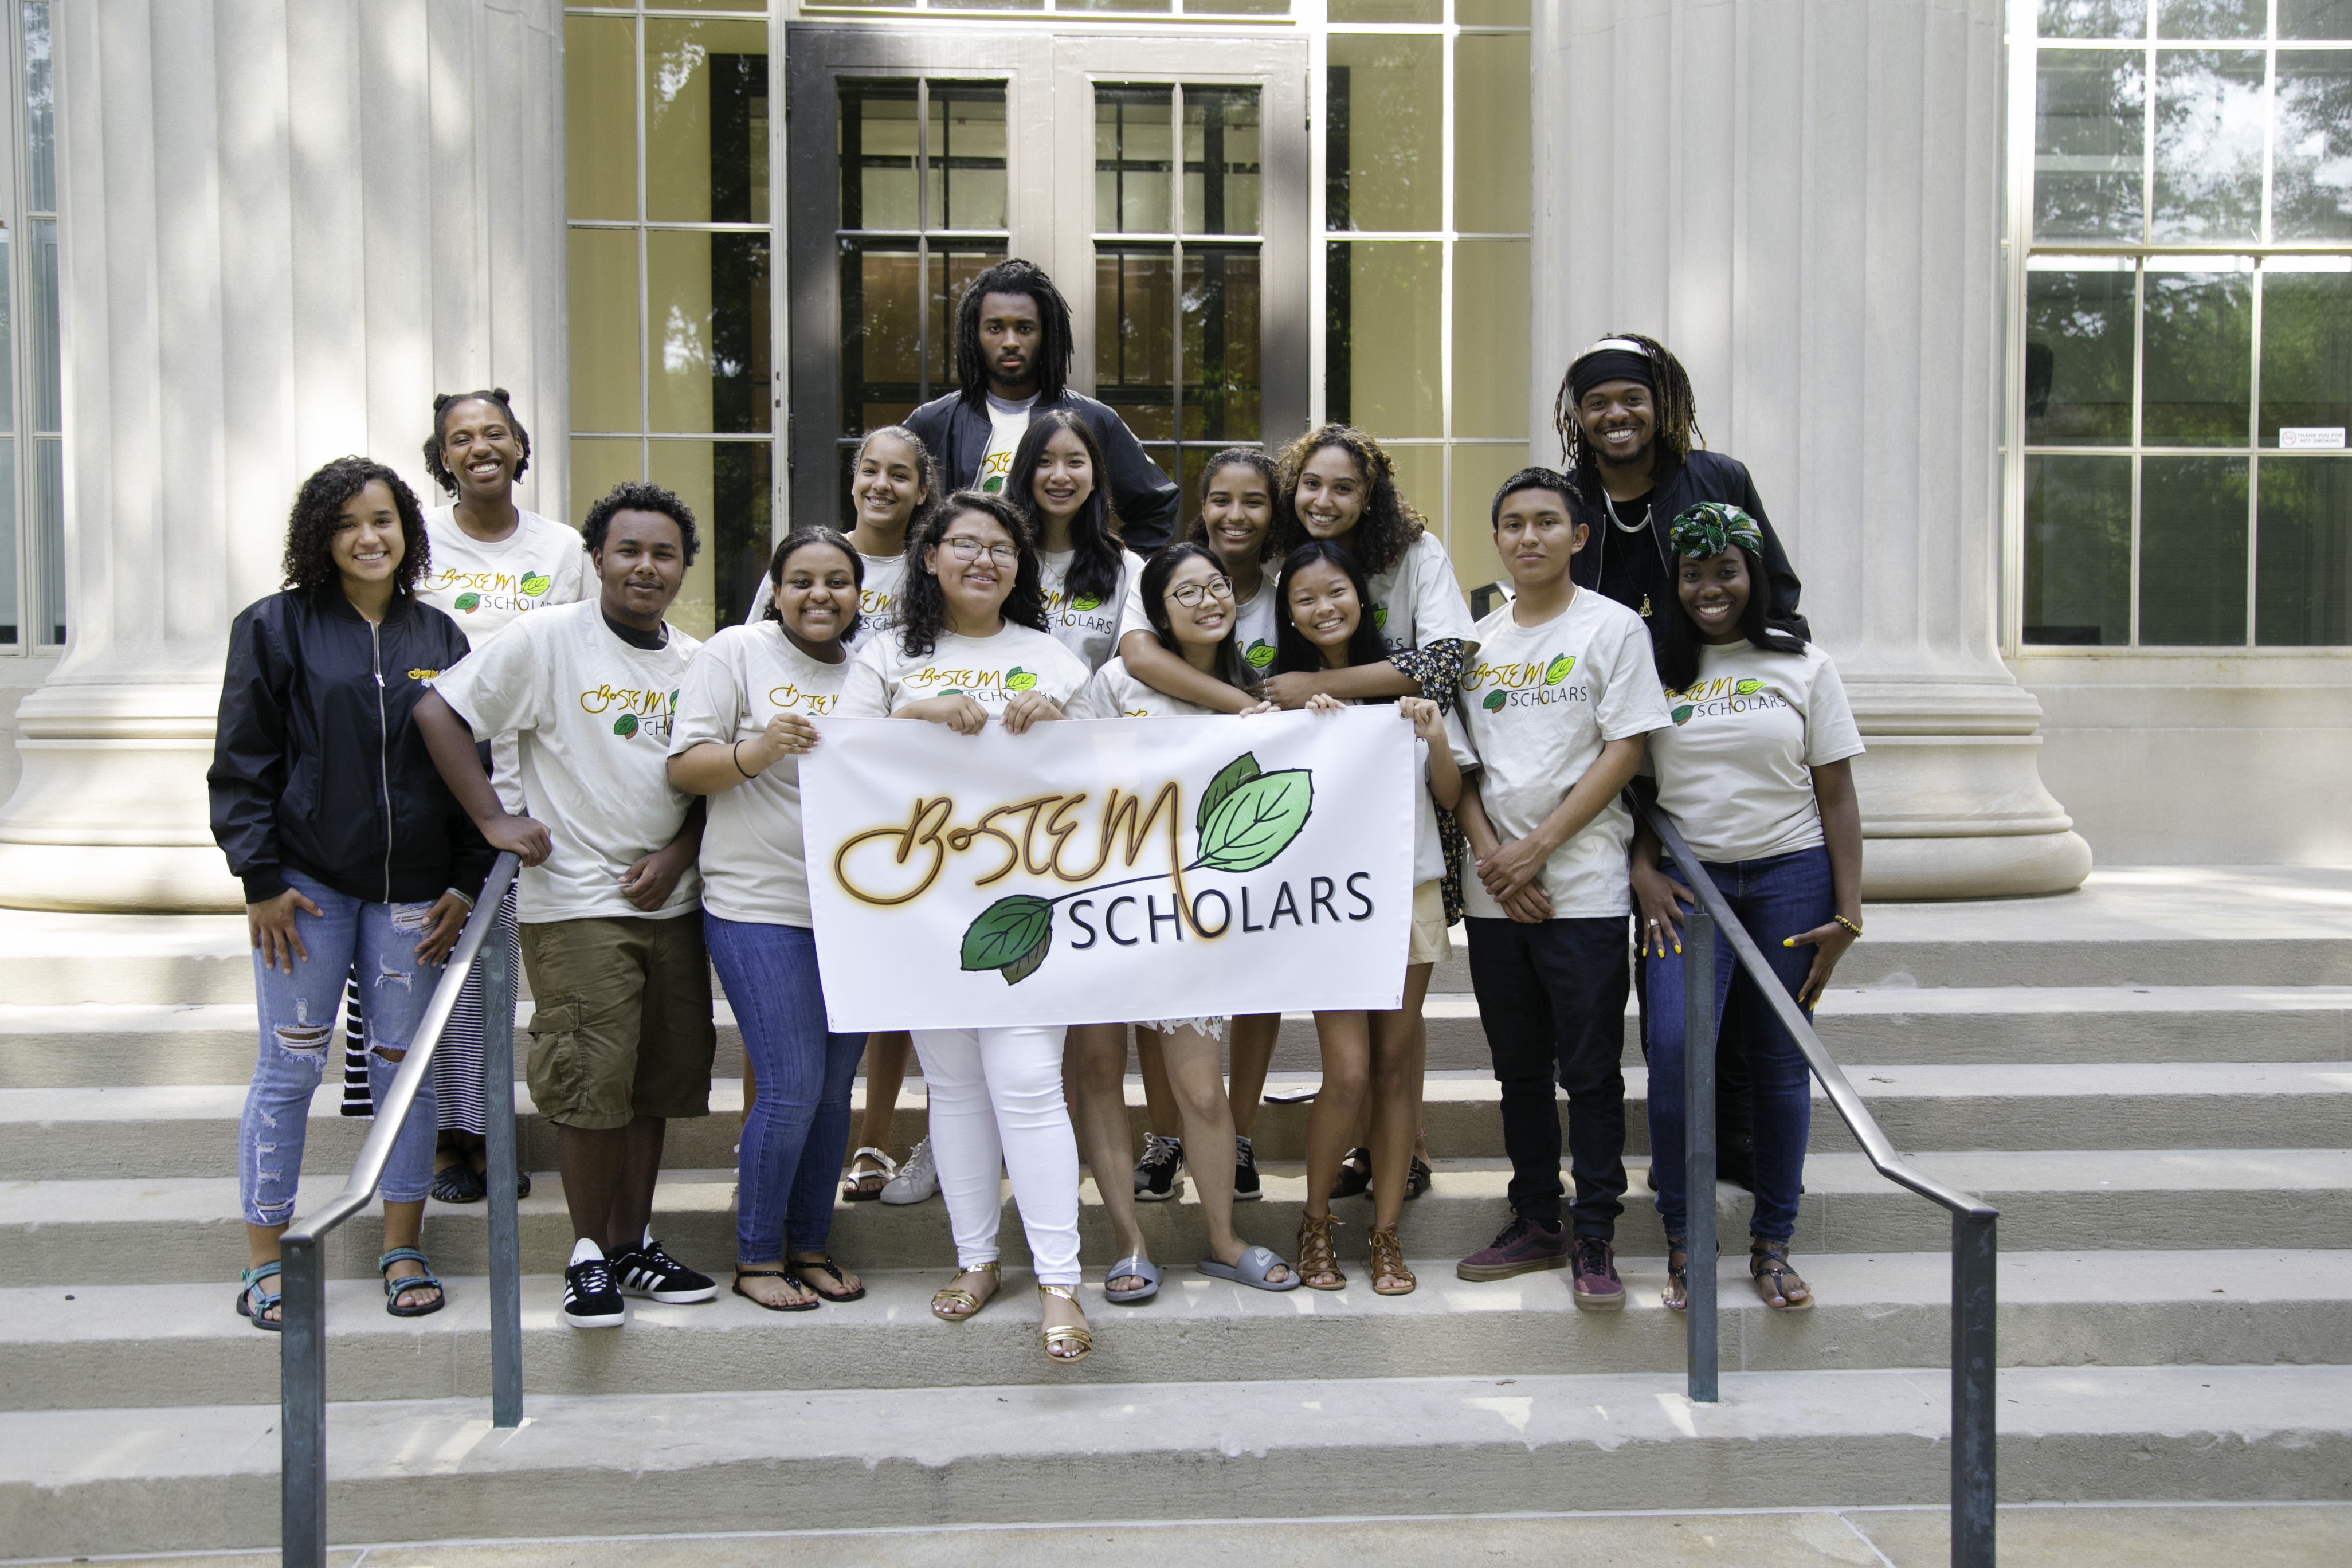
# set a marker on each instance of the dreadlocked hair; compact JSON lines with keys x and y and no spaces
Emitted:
{"x":1677,"y":415}
{"x":808,"y":537}
{"x":318,"y":512}
{"x":1386,"y":528}
{"x":1094,"y":530}
{"x":923,"y":605}
{"x":1673,"y":638}
{"x":1228,"y":666}
{"x":1054,"y":336}
{"x":442,"y":403}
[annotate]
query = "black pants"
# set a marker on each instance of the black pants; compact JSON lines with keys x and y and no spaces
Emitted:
{"x":1552,"y":999}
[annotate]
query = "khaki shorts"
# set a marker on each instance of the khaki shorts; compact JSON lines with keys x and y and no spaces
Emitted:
{"x":1430,"y":944}
{"x":621,"y":1023}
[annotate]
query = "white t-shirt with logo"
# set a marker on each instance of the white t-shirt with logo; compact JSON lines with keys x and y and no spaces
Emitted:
{"x":1007,"y":423}
{"x":1417,"y":602}
{"x":1114,"y":693}
{"x":1086,"y":627}
{"x":877,"y":603}
{"x":484,"y":586}
{"x":1253,"y":621}
{"x":753,"y":868}
{"x":884,"y":678}
{"x":592,"y":717}
{"x":1734,"y":766}
{"x":1537,"y":705}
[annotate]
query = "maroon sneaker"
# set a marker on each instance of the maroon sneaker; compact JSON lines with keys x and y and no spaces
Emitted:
{"x":1525,"y":1246}
{"x":1598,"y":1288}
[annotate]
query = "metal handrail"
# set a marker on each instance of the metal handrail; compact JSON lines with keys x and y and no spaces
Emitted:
{"x":1975,"y":1247}
{"x":302,"y":1307}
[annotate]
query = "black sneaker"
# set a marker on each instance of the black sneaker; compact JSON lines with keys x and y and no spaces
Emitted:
{"x":1159,"y":1174}
{"x":591,"y":1300}
{"x":656,"y":1276}
{"x":1245,"y":1187}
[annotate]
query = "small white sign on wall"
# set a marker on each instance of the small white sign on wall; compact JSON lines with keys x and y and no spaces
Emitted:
{"x":2311,"y":438}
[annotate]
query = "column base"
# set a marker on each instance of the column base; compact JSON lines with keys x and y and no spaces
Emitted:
{"x":2016,"y":866}
{"x":118,"y":879}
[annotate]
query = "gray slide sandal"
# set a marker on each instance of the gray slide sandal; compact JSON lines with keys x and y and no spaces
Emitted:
{"x":1251,"y":1268}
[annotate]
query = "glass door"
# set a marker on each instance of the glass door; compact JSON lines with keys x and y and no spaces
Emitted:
{"x":1168,"y":214}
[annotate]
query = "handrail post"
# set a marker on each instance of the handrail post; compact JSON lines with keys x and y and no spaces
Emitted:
{"x":1698,"y":1133}
{"x":498,"y":1154}
{"x":1975,"y":1263}
{"x":302,"y":1403}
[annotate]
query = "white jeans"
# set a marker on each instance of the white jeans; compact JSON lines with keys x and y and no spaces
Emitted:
{"x":996,"y":1105}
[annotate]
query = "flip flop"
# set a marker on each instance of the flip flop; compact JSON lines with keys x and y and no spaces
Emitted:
{"x":1142,"y":1268}
{"x":1251,"y":1268}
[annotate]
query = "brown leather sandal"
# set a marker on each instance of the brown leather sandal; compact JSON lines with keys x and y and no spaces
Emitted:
{"x":1319,"y":1266}
{"x":1388,"y":1264}
{"x":1782,"y":1287}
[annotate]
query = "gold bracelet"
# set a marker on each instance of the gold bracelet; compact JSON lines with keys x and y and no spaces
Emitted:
{"x":1847,"y":923}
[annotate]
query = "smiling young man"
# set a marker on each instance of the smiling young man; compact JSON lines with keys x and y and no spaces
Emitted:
{"x":1012,"y":346}
{"x":622,"y":1038}
{"x":1626,"y":420}
{"x":1555,"y":711}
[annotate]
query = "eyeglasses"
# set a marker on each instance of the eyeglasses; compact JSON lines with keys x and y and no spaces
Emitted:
{"x":964,"y":547}
{"x":1190,"y":594}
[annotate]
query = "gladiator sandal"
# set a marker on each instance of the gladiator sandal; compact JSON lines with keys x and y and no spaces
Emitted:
{"x":1677,"y":1293}
{"x":1390,"y":1276}
{"x":1780,"y":1286}
{"x":1319,"y":1266}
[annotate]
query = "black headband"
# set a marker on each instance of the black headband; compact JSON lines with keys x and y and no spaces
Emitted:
{"x":1612,"y":359}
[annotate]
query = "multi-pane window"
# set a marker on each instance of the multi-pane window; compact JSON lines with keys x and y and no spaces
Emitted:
{"x":32,"y":447}
{"x":2187,"y":372}
{"x":1425,"y":142}
{"x":667,"y":177}
{"x":922,"y":212}
{"x":1177,"y":279}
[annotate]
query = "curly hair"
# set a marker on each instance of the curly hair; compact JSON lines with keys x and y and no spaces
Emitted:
{"x":1093,"y":531}
{"x":1389,"y":523}
{"x":636,"y":495}
{"x":1055,"y":338}
{"x":1293,"y":653}
{"x":923,"y":605}
{"x":1230,"y":667}
{"x":310,"y":527}
{"x":801,"y":539}
{"x":1677,"y":415}
{"x":1249,"y":457}
{"x":441,"y":403}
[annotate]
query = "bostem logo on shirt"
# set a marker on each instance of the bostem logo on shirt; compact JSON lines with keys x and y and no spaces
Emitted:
{"x":497,"y":590}
{"x":1260,"y":654}
{"x":1245,"y":819}
{"x":1720,"y":698}
{"x":640,"y":712}
{"x":980,"y":685}
{"x":1528,"y":685}
{"x":993,"y":470}
{"x":791,"y":697}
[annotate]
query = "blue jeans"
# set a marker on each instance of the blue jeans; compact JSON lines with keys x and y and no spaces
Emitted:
{"x":1775,"y":899}
{"x":799,"y":1124}
{"x":378,"y":941}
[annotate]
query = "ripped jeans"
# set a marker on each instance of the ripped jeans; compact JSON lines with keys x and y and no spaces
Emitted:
{"x":298,"y":1025}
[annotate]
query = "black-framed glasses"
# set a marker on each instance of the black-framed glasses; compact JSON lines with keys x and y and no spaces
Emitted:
{"x":1190,"y":594}
{"x":964,"y":547}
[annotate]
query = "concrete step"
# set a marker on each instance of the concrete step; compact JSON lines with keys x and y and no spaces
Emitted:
{"x":187,"y":1228}
{"x":180,"y":1344}
{"x":199,"y":1477}
{"x":191,"y":1131}
{"x":93,"y":1045}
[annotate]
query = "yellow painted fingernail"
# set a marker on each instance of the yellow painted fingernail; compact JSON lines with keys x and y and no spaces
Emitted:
{"x":1790,"y":942}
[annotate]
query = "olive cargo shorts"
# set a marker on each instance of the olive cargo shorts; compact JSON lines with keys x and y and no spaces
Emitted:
{"x":621,"y":1023}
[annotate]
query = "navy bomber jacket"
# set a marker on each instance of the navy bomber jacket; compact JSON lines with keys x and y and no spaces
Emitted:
{"x":318,"y":765}
{"x":1144,"y":498}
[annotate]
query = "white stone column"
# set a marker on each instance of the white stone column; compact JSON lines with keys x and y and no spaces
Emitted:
{"x":285,"y":225}
{"x":1803,"y":199}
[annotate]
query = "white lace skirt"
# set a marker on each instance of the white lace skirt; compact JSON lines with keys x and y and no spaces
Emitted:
{"x":1214,"y":1029}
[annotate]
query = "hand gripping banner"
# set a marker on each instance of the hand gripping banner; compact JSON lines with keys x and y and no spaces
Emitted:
{"x":1109,"y":871}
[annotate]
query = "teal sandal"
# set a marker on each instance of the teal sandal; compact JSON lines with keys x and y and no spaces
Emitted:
{"x":252,"y":1299}
{"x":424,"y":1280}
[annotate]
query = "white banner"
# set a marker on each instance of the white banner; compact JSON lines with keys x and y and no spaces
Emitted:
{"x":1109,"y":871}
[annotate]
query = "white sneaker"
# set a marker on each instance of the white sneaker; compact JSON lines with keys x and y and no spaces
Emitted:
{"x":917,"y":1180}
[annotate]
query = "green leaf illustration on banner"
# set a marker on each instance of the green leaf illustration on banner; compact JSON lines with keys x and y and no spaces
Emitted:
{"x":1257,"y":821}
{"x":1557,"y":670}
{"x":1011,"y":936}
{"x":1495,"y":700}
{"x":1229,"y":777}
{"x":467,"y":602}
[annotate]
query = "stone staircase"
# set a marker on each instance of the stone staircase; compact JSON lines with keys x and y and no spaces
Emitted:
{"x":2152,"y":1079}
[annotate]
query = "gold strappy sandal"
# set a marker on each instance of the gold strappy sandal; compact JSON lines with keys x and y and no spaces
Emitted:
{"x":1057,"y":1337}
{"x":971,"y":1304}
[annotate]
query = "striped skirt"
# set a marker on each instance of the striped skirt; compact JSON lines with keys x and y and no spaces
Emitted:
{"x":457,"y":1063}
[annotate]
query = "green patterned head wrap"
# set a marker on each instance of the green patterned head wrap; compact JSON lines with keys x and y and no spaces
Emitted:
{"x":1712,"y":527}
